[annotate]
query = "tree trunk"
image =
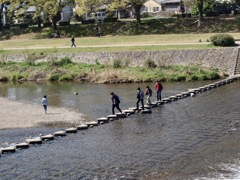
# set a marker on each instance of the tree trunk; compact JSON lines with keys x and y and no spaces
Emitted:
{"x":39,"y":21}
{"x":200,"y":9}
{"x":54,"y":23}
{"x":137,"y":14}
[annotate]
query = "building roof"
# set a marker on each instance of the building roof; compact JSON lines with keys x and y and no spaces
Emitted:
{"x":159,"y":1}
{"x":170,"y":1}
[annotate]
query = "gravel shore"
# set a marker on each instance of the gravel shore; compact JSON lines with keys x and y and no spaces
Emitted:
{"x":16,"y":114}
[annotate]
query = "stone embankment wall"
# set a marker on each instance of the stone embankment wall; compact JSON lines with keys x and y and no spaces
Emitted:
{"x":221,"y":58}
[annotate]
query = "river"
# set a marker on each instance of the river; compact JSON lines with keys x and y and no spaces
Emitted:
{"x":192,"y":138}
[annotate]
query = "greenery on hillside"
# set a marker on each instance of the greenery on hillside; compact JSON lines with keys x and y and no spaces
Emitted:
{"x":152,"y":26}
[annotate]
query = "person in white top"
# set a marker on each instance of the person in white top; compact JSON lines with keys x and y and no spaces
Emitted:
{"x":44,"y":103}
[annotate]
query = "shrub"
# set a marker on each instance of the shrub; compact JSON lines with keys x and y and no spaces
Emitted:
{"x":66,"y":77}
{"x":16,"y":77}
{"x":64,"y":61}
{"x":110,"y":19}
{"x":222,"y":40}
{"x":214,"y":75}
{"x":150,"y":63}
{"x":181,"y":78}
{"x":194,"y":78}
{"x":117,"y":63}
{"x":53,"y":77}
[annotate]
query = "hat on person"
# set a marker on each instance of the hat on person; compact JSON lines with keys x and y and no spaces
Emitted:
{"x":138,"y":88}
{"x":112,"y":93}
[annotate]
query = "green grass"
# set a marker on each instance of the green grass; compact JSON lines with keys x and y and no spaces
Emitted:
{"x":65,"y":70}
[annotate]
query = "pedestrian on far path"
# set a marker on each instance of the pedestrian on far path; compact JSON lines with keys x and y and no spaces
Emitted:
{"x":148,"y":93}
{"x":115,"y":102}
{"x":73,"y":42}
{"x":44,"y":103}
{"x":140,"y":97}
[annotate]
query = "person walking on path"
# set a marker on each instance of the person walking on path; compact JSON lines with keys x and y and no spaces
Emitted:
{"x":148,"y":93}
{"x":115,"y":102}
{"x":140,"y":97}
{"x":44,"y":103}
{"x":73,"y":42}
{"x":158,"y":89}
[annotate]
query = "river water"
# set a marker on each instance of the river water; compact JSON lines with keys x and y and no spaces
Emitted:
{"x":192,"y":138}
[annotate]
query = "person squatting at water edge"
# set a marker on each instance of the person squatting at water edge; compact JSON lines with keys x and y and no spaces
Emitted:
{"x":115,"y":102}
{"x":148,"y":93}
{"x":140,"y":97}
{"x":158,"y":89}
{"x":44,"y":103}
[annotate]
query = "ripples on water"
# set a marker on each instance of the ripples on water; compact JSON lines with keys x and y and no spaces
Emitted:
{"x":178,"y":140}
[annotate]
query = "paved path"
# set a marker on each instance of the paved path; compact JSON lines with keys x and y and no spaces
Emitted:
{"x":110,"y":45}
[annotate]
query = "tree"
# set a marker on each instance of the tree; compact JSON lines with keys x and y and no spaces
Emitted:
{"x":2,"y":5}
{"x":87,"y":6}
{"x":136,"y":4}
{"x":202,"y":6}
{"x":50,"y":9}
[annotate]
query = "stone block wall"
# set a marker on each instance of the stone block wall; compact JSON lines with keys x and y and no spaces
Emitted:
{"x":220,"y":58}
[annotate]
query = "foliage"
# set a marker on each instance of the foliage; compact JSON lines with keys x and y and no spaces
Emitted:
{"x":64,"y":61}
{"x":117,"y":63}
{"x":105,"y":74}
{"x":150,"y":63}
{"x":66,"y":77}
{"x":222,"y":40}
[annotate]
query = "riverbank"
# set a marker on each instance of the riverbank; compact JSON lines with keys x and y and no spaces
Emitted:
{"x":22,"y":115}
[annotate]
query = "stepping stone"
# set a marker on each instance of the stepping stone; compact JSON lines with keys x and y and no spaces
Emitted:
{"x":202,"y":89}
{"x":92,"y":123}
{"x":121,"y":115}
{"x":185,"y":94}
{"x":133,"y":108}
{"x":179,"y":96}
{"x":82,"y":126}
{"x":23,"y":145}
{"x":71,"y":130}
{"x":147,"y":106}
{"x":103,"y":120}
{"x":8,"y":149}
{"x":112,"y":117}
{"x":146,"y":111}
{"x":37,"y":140}
{"x":166,"y":100}
{"x":173,"y":98}
{"x":159,"y":102}
{"x":60,"y":133}
{"x":130,"y":111}
{"x":0,"y":153}
{"x":212,"y":85}
{"x":47,"y":137}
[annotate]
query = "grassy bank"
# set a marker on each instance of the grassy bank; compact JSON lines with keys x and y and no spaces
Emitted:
{"x":118,"y":72}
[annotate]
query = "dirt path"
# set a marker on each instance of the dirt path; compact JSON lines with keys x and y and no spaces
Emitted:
{"x":15,"y":114}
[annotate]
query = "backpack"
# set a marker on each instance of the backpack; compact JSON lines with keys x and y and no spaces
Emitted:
{"x":141,"y":94}
{"x":160,"y":86}
{"x":118,"y":101}
{"x":150,"y":92}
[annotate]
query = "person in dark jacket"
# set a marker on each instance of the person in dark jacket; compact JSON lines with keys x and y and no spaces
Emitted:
{"x":73,"y":41}
{"x":140,"y":97}
{"x":115,"y":102}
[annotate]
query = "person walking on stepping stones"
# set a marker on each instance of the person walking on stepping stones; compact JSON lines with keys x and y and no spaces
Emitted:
{"x":158,"y":89}
{"x":148,"y":93}
{"x":140,"y":97}
{"x":44,"y":103}
{"x":115,"y":102}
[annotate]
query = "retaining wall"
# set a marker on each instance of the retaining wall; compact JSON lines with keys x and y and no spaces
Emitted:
{"x":221,"y":58}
